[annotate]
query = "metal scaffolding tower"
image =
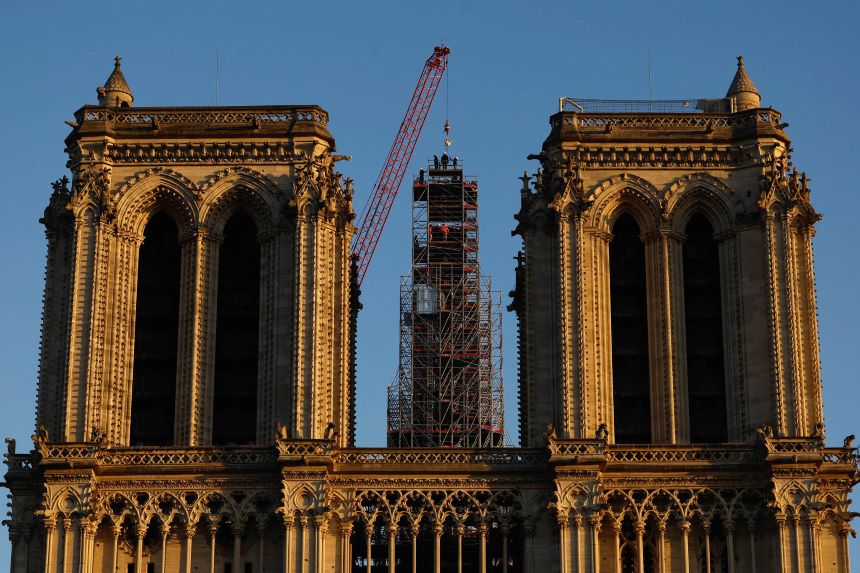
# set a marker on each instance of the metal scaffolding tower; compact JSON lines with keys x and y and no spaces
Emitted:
{"x":448,"y":388}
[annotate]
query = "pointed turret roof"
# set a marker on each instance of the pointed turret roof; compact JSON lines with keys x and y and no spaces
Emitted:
{"x":741,"y":82}
{"x":116,"y":90}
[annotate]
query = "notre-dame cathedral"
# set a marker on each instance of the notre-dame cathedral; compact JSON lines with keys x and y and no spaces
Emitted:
{"x":196,"y":398}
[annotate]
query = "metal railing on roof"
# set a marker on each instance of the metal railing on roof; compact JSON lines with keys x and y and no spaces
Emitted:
{"x":722,"y":105}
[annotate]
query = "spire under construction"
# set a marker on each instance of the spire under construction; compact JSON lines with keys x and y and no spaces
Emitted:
{"x":448,"y":387}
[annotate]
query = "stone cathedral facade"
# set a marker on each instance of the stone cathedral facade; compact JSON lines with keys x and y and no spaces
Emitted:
{"x":195,"y":406}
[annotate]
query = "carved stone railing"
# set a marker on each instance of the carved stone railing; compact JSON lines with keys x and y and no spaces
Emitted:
{"x":67,"y":450}
{"x":249,"y":455}
{"x":19,"y":462}
{"x":674,"y":120}
{"x":841,"y":455}
{"x":793,"y":445}
{"x":515,"y":457}
{"x":293,"y":449}
{"x":660,"y":453}
{"x":576,"y":447}
{"x":230,"y":116}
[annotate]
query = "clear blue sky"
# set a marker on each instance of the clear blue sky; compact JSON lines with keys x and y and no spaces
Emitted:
{"x":360,"y":60}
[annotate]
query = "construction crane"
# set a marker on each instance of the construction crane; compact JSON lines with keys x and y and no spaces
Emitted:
{"x":379,"y":204}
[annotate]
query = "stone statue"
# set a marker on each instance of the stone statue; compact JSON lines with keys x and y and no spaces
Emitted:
{"x":765,"y":432}
{"x":550,"y":434}
{"x":281,"y":432}
{"x":602,"y":432}
{"x":98,"y":436}
{"x":330,"y":432}
{"x":818,"y":431}
{"x":41,"y":436}
{"x":848,"y":442}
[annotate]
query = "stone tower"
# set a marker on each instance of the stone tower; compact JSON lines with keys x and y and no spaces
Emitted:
{"x":198,"y":294}
{"x":666,"y":299}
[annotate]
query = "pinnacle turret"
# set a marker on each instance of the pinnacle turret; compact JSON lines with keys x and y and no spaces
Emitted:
{"x":115,"y":92}
{"x":742,"y":90}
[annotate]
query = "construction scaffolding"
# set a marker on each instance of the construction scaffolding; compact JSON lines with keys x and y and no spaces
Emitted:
{"x":447,"y":391}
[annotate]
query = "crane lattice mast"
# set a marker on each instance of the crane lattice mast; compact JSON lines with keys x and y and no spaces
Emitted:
{"x":379,"y":204}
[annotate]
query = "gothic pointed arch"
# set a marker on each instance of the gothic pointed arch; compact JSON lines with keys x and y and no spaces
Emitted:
{"x":698,"y":192}
{"x":703,"y":314}
{"x":239,"y":187}
{"x":237,"y":330}
{"x":625,"y":193}
{"x":156,"y":333}
{"x":629,"y":325}
{"x":153,"y":190}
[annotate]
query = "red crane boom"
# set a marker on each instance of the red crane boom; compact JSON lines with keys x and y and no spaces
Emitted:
{"x":379,"y":204}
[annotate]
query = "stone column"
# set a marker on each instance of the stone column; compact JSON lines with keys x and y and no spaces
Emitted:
{"x":798,"y":543}
{"x":751,"y":527}
{"x":368,"y":530}
{"x":392,"y":547}
{"x":729,"y":526}
{"x":288,"y":544}
{"x":437,"y":549}
{"x":213,"y":532}
{"x":415,"y":530}
{"x":237,"y":547}
{"x":346,"y":547}
{"x":667,"y":366}
{"x":707,"y":527}
{"x":528,"y":545}
{"x":303,"y":553}
{"x":79,"y":568}
{"x":563,"y":545}
{"x":165,"y":531}
{"x":594,"y":520}
{"x":190,"y":530}
{"x":685,"y":536}
{"x":843,"y":542}
{"x":577,"y":524}
{"x":482,"y":531}
{"x":50,"y":523}
{"x":616,"y":543}
{"x":640,"y":549}
{"x":116,"y":529}
{"x":661,"y":557}
{"x":196,"y":348}
{"x":321,"y":532}
{"x":814,"y":531}
{"x":138,"y":552}
{"x":460,"y":530}
{"x":780,"y":541}
{"x":86,"y":552}
{"x":64,"y":550}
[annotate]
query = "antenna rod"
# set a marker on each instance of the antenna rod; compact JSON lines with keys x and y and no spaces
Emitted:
{"x":649,"y":79}
{"x":217,"y":74}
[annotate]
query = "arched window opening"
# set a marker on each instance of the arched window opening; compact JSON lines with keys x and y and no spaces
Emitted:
{"x":234,"y":409}
{"x":630,"y":380}
{"x":156,"y":332}
{"x":706,"y":384}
